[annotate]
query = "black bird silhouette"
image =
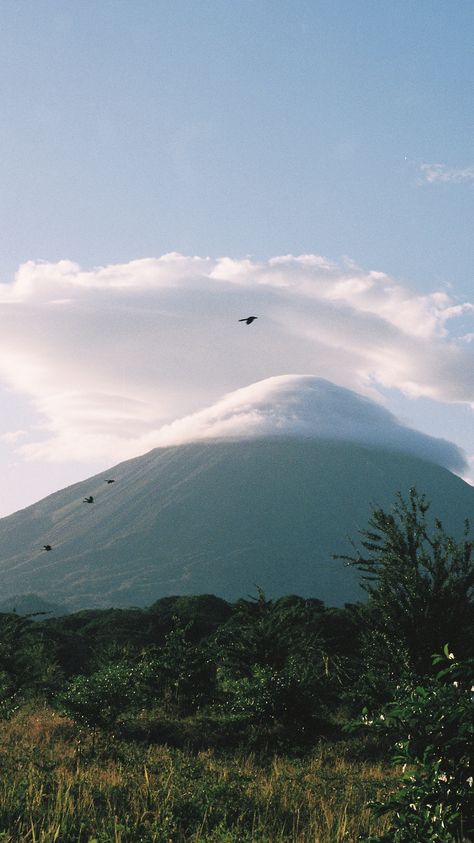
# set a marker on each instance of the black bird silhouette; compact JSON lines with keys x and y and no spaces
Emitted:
{"x":110,"y":481}
{"x":248,"y":319}
{"x":47,"y":547}
{"x":90,"y":499}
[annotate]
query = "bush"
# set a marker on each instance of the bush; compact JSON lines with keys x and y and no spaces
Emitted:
{"x":180,"y":675}
{"x":432,"y":726}
{"x":290,"y":701}
{"x":99,"y":699}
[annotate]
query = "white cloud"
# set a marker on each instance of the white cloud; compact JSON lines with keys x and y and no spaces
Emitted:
{"x":109,"y":356}
{"x":12,"y":436}
{"x":306,"y":406}
{"x":431,"y":173}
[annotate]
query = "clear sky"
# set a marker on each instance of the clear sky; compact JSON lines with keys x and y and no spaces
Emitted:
{"x":239,"y":129}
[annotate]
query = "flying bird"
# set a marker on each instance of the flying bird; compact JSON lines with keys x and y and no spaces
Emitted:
{"x":90,"y":499}
{"x":110,"y":481}
{"x":248,"y":319}
{"x":47,"y":547}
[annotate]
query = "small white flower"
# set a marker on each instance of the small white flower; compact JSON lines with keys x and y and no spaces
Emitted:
{"x":450,"y":655}
{"x":443,"y":777}
{"x":470,"y":781}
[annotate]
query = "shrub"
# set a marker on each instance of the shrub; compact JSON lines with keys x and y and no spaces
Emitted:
{"x":180,"y":675}
{"x":99,"y":699}
{"x":432,"y":726}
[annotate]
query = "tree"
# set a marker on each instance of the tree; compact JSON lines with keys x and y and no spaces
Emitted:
{"x":420,"y":582}
{"x":27,"y":667}
{"x":266,"y":633}
{"x":431,"y":727}
{"x":273,"y":670}
{"x":98,"y":700}
{"x":180,"y":675}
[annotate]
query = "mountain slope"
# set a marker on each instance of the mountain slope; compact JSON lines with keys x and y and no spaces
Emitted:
{"x":217,"y":517}
{"x":32,"y":605}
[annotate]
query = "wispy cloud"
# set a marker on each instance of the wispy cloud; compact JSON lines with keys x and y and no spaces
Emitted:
{"x":11,"y":437}
{"x":432,"y":173}
{"x":109,"y":356}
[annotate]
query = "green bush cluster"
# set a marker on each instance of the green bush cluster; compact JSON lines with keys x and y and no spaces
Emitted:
{"x":431,"y":727}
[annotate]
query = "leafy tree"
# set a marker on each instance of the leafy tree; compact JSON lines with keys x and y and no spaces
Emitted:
{"x":201,"y":614}
{"x":99,"y":699}
{"x":272,"y":667}
{"x":180,"y":674}
{"x":420,"y":583}
{"x":266,"y":633}
{"x":88,"y":640}
{"x":293,"y":699}
{"x":27,"y":665}
{"x":431,"y":726}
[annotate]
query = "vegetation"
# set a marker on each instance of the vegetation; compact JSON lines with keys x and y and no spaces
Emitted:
{"x":196,"y":719}
{"x":432,"y":728}
{"x":416,"y":575}
{"x":57,"y":786}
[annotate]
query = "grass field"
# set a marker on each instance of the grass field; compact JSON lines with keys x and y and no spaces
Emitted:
{"x":59,"y":784}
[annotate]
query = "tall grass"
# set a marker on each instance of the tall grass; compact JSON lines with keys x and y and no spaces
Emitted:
{"x":56,"y":785}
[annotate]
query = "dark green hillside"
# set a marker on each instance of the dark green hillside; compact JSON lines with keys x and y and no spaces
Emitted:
{"x":216,"y":518}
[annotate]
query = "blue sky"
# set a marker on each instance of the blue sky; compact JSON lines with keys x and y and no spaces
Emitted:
{"x":135,"y":129}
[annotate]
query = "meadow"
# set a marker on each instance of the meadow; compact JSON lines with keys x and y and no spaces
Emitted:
{"x":62,"y":782}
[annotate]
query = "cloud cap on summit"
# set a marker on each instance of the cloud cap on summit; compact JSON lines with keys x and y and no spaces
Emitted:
{"x":106,"y":356}
{"x":310,"y":407}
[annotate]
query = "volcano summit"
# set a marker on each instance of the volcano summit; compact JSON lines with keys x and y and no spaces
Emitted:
{"x":261,"y":489}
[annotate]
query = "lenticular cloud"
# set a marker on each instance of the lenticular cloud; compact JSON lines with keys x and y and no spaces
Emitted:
{"x":105,"y":357}
{"x":310,"y":407}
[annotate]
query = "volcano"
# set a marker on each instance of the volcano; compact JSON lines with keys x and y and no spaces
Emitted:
{"x":261,"y":490}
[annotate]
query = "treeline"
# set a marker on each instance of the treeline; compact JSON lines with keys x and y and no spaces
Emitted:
{"x":269,"y":667}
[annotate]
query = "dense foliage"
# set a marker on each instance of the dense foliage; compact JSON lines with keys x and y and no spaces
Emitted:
{"x":432,"y":729}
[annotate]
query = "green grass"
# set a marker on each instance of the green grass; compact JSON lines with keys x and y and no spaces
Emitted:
{"x":59,"y":785}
